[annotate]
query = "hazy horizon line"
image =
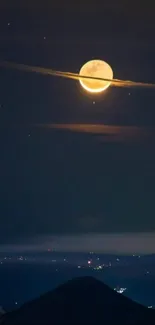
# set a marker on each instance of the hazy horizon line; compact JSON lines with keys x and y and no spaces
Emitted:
{"x":116,"y":243}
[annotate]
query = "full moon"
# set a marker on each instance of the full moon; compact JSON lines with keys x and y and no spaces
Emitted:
{"x":98,"y":69}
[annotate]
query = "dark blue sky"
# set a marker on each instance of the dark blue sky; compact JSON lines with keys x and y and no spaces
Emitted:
{"x":51,"y":180}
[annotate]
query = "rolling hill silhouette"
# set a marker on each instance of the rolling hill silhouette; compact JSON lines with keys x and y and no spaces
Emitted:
{"x":80,"y":301}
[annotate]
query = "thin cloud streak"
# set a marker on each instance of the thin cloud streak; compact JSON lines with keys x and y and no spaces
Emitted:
{"x":107,"y":132}
{"x":74,"y":76}
{"x":120,"y":243}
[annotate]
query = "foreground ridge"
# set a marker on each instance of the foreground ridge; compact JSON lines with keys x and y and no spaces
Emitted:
{"x":83,"y":300}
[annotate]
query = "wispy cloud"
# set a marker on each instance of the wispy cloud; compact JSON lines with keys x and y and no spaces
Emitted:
{"x":120,"y":243}
{"x":108,"y":133}
{"x":74,"y":76}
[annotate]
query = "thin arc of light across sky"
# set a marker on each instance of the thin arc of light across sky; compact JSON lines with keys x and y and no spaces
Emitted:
{"x":75,"y":76}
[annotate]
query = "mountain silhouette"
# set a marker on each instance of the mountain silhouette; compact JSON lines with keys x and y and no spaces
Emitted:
{"x":80,"y":301}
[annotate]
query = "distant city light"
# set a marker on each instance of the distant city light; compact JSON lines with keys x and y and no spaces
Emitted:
{"x":120,"y":290}
{"x":99,"y":267}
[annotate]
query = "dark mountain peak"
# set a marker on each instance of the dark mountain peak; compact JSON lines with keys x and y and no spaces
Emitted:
{"x":84,"y":279}
{"x":82,"y":300}
{"x":82,"y":282}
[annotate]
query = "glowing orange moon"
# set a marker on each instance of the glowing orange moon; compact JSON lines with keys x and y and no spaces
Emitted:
{"x":98,"y":69}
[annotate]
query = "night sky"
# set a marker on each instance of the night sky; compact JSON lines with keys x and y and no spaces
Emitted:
{"x":55,"y":182}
